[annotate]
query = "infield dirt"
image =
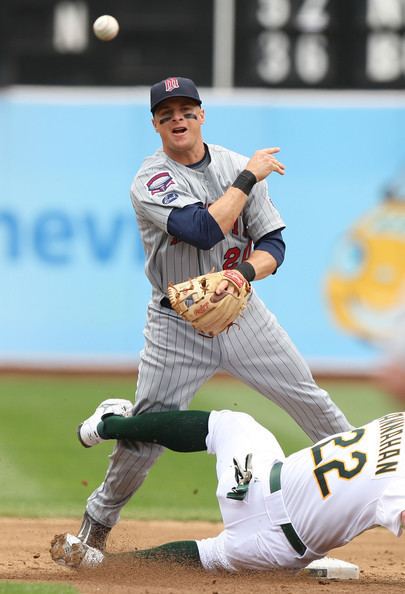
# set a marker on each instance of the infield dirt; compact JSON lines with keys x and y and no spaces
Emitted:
{"x":24,"y":556}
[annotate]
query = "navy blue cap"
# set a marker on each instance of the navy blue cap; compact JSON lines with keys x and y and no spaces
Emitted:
{"x":175,"y":86}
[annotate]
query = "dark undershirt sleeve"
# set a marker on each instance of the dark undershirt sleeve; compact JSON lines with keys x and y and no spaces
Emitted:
{"x":194,"y":225}
{"x":272,"y":243}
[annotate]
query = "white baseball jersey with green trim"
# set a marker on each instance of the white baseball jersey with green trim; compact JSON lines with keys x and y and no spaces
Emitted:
{"x":330,"y":492}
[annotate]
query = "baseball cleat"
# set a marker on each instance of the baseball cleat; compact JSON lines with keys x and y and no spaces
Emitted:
{"x":70,"y":551}
{"x":87,"y":431}
{"x":92,"y":533}
{"x":333,"y":569}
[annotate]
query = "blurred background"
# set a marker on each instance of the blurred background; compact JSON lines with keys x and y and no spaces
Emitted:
{"x":322,"y":79}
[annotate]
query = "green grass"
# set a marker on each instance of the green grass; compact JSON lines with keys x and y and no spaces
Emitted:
{"x":25,"y":588}
{"x":45,"y":471}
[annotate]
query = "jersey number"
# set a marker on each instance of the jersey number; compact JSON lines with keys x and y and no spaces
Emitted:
{"x":322,"y":470}
{"x":232,"y":256}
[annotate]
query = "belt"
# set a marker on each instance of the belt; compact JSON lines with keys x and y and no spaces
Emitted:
{"x":288,"y":529}
{"x":165,"y":302}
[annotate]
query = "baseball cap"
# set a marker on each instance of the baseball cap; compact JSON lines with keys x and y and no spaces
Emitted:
{"x":175,"y":86}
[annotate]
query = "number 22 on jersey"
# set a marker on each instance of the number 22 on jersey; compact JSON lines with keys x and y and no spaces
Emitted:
{"x":322,"y":469}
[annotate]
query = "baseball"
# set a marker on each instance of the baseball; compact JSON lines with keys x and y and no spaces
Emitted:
{"x":106,"y":27}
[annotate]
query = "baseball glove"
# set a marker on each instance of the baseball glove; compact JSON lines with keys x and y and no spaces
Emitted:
{"x":196,"y":301}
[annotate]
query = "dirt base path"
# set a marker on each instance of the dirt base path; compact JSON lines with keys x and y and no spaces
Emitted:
{"x":24,"y":556}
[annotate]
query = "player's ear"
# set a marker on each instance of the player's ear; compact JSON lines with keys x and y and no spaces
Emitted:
{"x":154,"y":123}
{"x":202,"y":116}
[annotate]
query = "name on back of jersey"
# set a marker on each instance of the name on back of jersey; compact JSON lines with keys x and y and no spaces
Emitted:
{"x":390,"y":443}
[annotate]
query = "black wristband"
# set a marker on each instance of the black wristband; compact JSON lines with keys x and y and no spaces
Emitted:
{"x":245,"y":181}
{"x":247,"y":270}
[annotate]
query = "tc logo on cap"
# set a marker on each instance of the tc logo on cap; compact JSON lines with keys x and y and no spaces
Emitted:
{"x":171,"y":84}
{"x":174,"y":86}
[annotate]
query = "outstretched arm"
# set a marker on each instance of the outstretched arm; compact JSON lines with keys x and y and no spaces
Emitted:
{"x":228,"y":207}
{"x":204,"y":228}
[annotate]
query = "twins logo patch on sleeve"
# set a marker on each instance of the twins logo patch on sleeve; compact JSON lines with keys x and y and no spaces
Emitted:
{"x":159,"y":182}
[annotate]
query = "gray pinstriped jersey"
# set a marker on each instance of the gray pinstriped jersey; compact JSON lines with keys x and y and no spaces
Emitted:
{"x":162,"y":184}
{"x":177,"y":360}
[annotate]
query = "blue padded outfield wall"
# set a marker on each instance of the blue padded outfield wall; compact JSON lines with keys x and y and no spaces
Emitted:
{"x":73,"y":287}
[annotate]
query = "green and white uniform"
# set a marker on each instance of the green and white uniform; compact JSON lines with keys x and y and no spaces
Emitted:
{"x":329,"y":493}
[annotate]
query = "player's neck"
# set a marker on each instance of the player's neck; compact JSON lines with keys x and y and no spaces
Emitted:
{"x":188,"y":156}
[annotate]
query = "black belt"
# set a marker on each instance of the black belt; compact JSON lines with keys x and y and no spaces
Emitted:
{"x":165,"y":302}
{"x":288,"y":529}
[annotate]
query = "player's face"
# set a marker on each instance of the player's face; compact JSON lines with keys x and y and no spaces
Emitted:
{"x":179,"y":121}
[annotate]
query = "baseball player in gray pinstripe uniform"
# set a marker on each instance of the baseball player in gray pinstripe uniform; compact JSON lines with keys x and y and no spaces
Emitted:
{"x":200,"y":207}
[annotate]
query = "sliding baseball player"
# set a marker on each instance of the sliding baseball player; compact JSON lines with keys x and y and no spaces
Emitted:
{"x":277,"y":512}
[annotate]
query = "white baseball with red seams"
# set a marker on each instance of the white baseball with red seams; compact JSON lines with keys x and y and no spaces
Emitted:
{"x":106,"y":27}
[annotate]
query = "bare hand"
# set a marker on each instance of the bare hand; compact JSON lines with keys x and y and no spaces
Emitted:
{"x":225,"y":287}
{"x":263,"y":163}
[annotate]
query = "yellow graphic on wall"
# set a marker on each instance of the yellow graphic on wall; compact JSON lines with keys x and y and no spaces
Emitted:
{"x":365,"y":286}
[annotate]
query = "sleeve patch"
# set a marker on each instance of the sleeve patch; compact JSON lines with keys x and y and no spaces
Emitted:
{"x":170,"y":197}
{"x":159,"y":182}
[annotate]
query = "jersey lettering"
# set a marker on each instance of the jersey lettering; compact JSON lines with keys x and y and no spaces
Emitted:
{"x":346,"y":473}
{"x":236,"y":228}
{"x":390,"y":443}
{"x":247,"y":251}
{"x":231,"y":258}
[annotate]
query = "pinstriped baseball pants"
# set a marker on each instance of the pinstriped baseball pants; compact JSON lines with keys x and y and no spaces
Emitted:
{"x":176,"y":361}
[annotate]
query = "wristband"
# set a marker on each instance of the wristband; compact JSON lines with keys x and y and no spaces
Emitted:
{"x":245,"y":181}
{"x":247,"y":270}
